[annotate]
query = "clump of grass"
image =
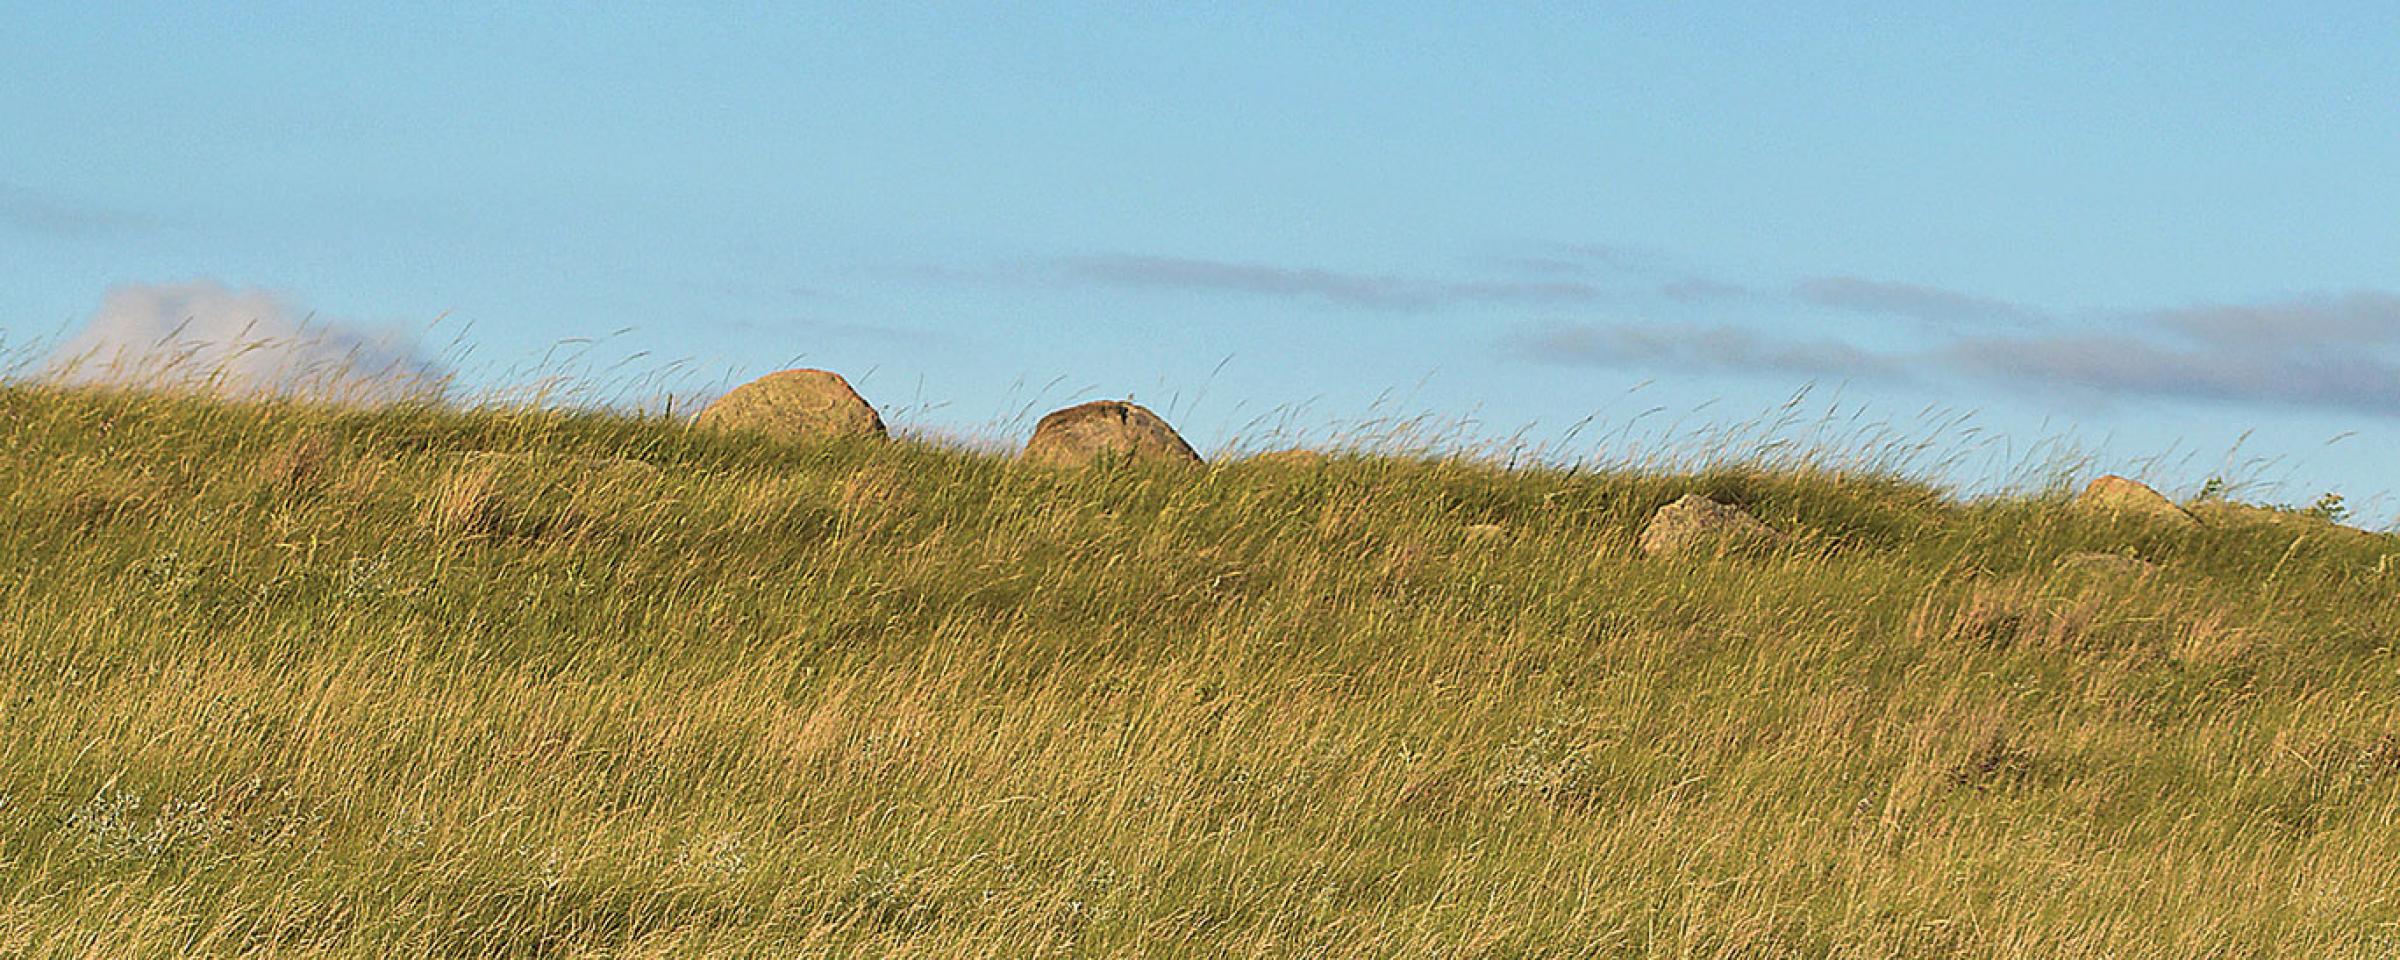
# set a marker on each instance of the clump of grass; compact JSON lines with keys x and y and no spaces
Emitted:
{"x":468,"y":502}
{"x":298,"y":465}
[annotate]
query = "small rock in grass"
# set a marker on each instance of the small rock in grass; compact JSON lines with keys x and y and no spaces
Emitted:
{"x":1699,"y":524}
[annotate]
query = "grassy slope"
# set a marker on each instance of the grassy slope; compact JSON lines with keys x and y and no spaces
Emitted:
{"x":292,"y":681}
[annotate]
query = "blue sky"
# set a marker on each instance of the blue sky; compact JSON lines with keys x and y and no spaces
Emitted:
{"x":2162,"y":236}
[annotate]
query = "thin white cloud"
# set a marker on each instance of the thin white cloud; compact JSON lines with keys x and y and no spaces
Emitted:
{"x":206,"y":336}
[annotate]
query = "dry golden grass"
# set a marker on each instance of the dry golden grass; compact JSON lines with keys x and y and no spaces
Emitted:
{"x":468,"y":502}
{"x":298,"y":465}
{"x":483,"y":694}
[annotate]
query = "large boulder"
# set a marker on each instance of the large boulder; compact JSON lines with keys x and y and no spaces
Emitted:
{"x":794,"y":405}
{"x":2116,"y":496}
{"x":1697,"y":524}
{"x":1105,"y":429}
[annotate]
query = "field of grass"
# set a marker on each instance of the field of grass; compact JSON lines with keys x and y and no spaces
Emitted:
{"x":278,"y":680}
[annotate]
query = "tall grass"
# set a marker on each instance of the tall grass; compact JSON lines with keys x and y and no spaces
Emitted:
{"x":290,"y":680}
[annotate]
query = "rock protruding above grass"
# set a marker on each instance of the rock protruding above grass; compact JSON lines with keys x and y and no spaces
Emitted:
{"x":792,"y":406}
{"x":2117,"y":496}
{"x":1697,"y":524}
{"x":1106,"y":429}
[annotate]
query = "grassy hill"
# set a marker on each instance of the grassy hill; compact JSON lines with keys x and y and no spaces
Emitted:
{"x":293,"y":681}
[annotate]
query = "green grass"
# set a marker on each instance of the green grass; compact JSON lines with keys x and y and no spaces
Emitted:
{"x":291,"y":681}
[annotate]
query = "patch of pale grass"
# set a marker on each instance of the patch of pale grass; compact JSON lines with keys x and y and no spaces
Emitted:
{"x":468,"y":502}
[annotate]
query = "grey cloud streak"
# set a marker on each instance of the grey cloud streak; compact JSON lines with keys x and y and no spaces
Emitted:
{"x":2366,"y":316}
{"x":1372,"y":291}
{"x":2338,"y":353}
{"x":1559,"y":275}
{"x":1704,"y":348}
{"x":2317,"y":375}
{"x":1704,"y":290}
{"x":49,"y":217}
{"x":1585,"y":260}
{"x":1925,"y":304}
{"x":2325,"y":351}
{"x":1652,"y":269}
